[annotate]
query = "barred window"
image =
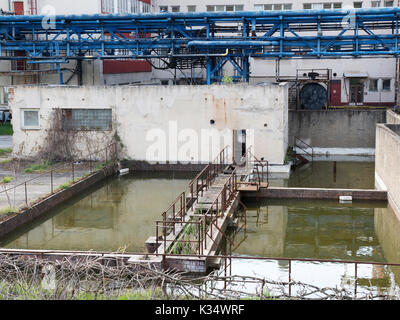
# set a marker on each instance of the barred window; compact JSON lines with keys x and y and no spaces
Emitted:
{"x":87,"y":119}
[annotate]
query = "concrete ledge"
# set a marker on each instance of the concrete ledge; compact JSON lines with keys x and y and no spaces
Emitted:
{"x":136,"y":165}
{"x":316,"y":193}
{"x":18,"y":220}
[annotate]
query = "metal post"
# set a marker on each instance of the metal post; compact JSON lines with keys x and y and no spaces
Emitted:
{"x":26,"y":195}
{"x":355,"y":280}
{"x":157,"y":238}
{"x":290,"y":278}
{"x":51,"y":180}
{"x":73,"y":172}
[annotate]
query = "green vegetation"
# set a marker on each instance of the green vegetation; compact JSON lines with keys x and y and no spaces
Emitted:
{"x":182,"y":245}
{"x":6,"y":179}
{"x":6,"y":161}
{"x":65,"y":186}
{"x":5,"y":151}
{"x":6,"y":129}
{"x":227,"y":79}
{"x":39,"y":168}
{"x":102,"y":165}
{"x":290,"y":154}
{"x":6,"y":211}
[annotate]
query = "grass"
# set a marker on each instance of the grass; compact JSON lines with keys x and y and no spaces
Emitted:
{"x":38,"y":168}
{"x":6,"y":129}
{"x":7,"y":210}
{"x":6,"y":179}
{"x":6,"y":161}
{"x":5,"y":151}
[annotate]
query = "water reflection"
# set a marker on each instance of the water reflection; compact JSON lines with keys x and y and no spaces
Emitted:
{"x":321,"y":230}
{"x":331,"y":174}
{"x":315,"y":230}
{"x":120,"y":212}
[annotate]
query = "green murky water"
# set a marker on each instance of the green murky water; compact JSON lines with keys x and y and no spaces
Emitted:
{"x":121,"y":212}
{"x":118,"y":213}
{"x":322,"y":174}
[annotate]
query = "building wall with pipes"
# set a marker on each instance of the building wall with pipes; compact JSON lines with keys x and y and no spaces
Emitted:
{"x":185,"y":124}
{"x":376,"y":76}
{"x":93,"y":72}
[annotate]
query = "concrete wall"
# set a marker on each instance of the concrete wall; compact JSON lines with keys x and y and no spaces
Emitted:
{"x":392,"y":117}
{"x":163,"y":123}
{"x":387,"y":169}
{"x":331,"y":130}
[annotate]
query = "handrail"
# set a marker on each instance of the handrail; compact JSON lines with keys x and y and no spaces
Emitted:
{"x":263,"y":163}
{"x":56,"y":168}
{"x":298,"y":146}
{"x":206,"y":175}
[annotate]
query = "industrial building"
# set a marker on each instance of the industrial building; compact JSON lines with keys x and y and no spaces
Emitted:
{"x":340,"y":81}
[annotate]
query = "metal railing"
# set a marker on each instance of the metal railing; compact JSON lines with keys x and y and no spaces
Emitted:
{"x":291,"y":282}
{"x":48,"y":254}
{"x":176,"y":212}
{"x":297,"y":145}
{"x":202,"y":182}
{"x":249,"y":161}
{"x":108,"y":153}
{"x":181,"y":240}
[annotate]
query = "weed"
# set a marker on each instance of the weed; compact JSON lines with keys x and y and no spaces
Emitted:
{"x":39,"y":168}
{"x":7,"y":210}
{"x":6,"y":129}
{"x":4,"y":151}
{"x":6,"y":179}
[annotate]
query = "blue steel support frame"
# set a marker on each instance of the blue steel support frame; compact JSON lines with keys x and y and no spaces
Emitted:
{"x":216,"y":37}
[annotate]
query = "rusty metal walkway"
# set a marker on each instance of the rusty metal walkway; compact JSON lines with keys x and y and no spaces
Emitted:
{"x":196,"y":222}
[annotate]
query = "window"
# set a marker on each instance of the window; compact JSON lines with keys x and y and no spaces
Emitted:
{"x":175,"y":9}
{"x":123,"y":6}
{"x":86,"y":119}
{"x":332,"y":5}
{"x":375,"y":4}
{"x":30,"y":119}
{"x":314,"y":6}
{"x":221,"y":8}
{"x":191,"y":8}
{"x":107,"y":6}
{"x":388,"y":3}
{"x":386,"y":84}
{"x":373,"y":85}
{"x":357,"y":4}
{"x":163,"y":9}
{"x":276,"y":6}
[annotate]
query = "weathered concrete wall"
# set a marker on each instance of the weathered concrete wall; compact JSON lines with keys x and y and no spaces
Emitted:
{"x":392,"y":117}
{"x":387,"y":169}
{"x":30,"y":143}
{"x":329,"y":129}
{"x":164,"y":123}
